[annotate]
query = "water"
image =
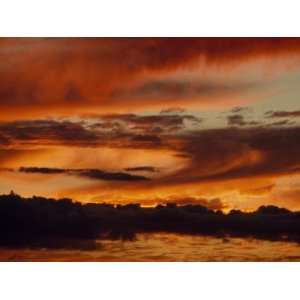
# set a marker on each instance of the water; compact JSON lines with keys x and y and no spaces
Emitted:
{"x":167,"y":247}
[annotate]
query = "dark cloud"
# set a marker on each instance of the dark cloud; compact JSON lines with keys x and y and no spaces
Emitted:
{"x":239,"y":120}
{"x":213,"y":154}
{"x":141,"y":169}
{"x":47,"y":130}
{"x":88,"y":173}
{"x":148,"y":122}
{"x":99,"y":174}
{"x":42,"y":170}
{"x":235,"y":153}
{"x":282,"y":123}
{"x":236,"y":120}
{"x":114,"y":131}
{"x":282,"y":114}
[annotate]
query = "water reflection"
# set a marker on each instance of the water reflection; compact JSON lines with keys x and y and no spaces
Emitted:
{"x":166,"y":247}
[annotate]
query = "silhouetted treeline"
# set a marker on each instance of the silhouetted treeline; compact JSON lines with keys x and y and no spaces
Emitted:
{"x":42,"y":222}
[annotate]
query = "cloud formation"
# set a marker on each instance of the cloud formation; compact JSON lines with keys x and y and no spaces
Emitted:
{"x":211,"y":154}
{"x":282,"y":114}
{"x":239,"y":120}
{"x":223,"y":154}
{"x":64,"y":75}
{"x":88,"y":173}
{"x":113,"y":109}
{"x":141,"y":169}
{"x":117,"y":130}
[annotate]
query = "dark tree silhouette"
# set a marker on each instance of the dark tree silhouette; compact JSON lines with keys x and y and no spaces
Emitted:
{"x":62,"y":223}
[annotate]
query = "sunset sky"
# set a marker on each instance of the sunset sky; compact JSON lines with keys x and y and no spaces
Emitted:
{"x":214,"y":121}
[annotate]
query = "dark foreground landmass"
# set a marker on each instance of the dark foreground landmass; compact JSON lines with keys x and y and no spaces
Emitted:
{"x":40,"y":222}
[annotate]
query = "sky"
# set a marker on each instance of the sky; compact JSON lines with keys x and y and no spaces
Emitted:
{"x":211,"y":121}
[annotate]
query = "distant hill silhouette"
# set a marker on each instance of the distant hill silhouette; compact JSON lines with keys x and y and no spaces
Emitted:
{"x":42,"y":222}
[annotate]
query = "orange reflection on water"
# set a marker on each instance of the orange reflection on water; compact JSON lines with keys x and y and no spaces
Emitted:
{"x":167,"y":247}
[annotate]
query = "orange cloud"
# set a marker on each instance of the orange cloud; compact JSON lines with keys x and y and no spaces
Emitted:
{"x":68,"y":75}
